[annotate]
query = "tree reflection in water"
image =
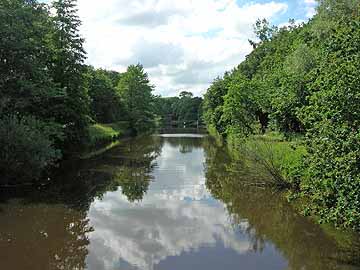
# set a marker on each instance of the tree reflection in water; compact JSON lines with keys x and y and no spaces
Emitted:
{"x":48,"y":228}
{"x":271,"y":218}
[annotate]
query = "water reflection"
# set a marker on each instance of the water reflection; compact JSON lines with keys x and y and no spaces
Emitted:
{"x":49,"y":228}
{"x":43,"y":237}
{"x":163,"y":202}
{"x":270,"y":218}
{"x":176,"y":219}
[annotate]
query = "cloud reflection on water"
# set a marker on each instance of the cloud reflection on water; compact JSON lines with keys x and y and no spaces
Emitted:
{"x":176,"y":217}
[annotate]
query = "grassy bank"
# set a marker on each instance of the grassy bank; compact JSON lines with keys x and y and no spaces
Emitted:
{"x":276,"y":155}
{"x":103,"y":137}
{"x":105,"y":133}
{"x":280,"y":162}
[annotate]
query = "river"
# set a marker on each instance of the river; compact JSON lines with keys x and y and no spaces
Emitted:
{"x":175,"y":201}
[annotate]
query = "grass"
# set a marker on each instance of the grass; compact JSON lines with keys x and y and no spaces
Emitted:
{"x":281,"y":158}
{"x":100,"y":133}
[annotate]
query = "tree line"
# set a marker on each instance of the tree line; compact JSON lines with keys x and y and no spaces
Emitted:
{"x":48,"y":95}
{"x":302,"y":81}
{"x":179,"y":110}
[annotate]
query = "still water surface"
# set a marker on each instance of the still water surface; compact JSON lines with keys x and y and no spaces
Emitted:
{"x":163,"y":202}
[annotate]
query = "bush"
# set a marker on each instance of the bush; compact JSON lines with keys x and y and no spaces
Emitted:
{"x":333,"y":122}
{"x":26,"y":149}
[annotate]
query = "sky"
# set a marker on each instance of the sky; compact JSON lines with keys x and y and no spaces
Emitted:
{"x":182,"y":44}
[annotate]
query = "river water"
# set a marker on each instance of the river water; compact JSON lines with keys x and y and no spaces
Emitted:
{"x":163,"y":202}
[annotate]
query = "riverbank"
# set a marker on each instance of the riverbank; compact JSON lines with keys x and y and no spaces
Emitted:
{"x":103,"y":137}
{"x":279,"y":156}
{"x":279,"y":163}
{"x":105,"y":133}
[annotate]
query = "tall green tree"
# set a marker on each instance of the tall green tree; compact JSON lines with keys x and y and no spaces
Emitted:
{"x":213,"y":103}
{"x":27,"y":92}
{"x":68,"y":71}
{"x":239,"y":109}
{"x":26,"y":86}
{"x":106,"y":105}
{"x":136,"y":91}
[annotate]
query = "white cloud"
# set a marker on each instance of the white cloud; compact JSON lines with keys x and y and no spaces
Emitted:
{"x":310,"y":6}
{"x":165,"y":223}
{"x":182,"y":44}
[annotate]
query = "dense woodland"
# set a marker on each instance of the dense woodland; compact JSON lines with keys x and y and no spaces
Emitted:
{"x":179,"y":110}
{"x":301,"y":81}
{"x":51,"y":101}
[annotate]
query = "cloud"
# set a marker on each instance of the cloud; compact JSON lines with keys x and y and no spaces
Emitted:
{"x":176,"y":216}
{"x":310,"y":6}
{"x":148,"y":18}
{"x":170,"y":38}
{"x":152,"y":54}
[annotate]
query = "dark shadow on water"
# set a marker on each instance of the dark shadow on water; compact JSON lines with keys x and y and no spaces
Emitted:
{"x":47,"y":227}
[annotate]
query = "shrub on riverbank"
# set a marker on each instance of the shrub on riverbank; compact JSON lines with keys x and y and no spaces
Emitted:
{"x":26,"y":149}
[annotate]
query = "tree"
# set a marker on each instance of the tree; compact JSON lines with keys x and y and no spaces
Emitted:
{"x":68,"y":71}
{"x":239,"y":110}
{"x":213,"y":102}
{"x":292,"y":93}
{"x":305,"y":80}
{"x":187,"y":107}
{"x":26,"y":86}
{"x":135,"y":89}
{"x":105,"y":102}
{"x":264,"y":32}
{"x":332,"y":119}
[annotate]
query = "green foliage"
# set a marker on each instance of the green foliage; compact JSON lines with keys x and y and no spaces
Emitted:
{"x":68,"y":71}
{"x":99,"y":133}
{"x":301,"y":80}
{"x":28,"y":91}
{"x":291,"y":94}
{"x":43,"y":76}
{"x":174,"y":111}
{"x":333,"y":122}
{"x":26,"y":85}
{"x":187,"y":107}
{"x":264,"y":31}
{"x":41,"y":66}
{"x":26,"y":149}
{"x":240,"y":108}
{"x":106,"y":105}
{"x":280,"y":158}
{"x":135,"y":90}
{"x":213,"y":104}
{"x":164,"y":107}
